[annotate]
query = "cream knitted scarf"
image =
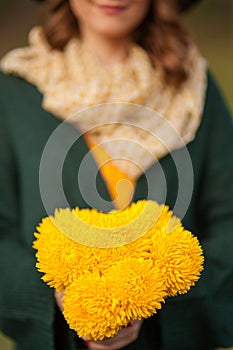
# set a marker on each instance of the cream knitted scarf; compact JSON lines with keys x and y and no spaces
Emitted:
{"x":138,"y":118}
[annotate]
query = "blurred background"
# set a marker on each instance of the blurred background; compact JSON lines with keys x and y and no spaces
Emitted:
{"x":211,"y":23}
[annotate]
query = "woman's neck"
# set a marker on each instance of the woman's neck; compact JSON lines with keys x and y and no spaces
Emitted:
{"x":107,"y":50}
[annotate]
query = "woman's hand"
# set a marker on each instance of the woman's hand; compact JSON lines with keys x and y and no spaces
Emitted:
{"x":58,"y":297}
{"x":124,"y":337}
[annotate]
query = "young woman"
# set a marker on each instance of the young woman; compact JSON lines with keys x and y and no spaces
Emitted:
{"x":92,"y":52}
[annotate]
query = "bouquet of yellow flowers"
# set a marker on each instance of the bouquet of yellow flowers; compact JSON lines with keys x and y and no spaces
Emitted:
{"x":116,"y":267}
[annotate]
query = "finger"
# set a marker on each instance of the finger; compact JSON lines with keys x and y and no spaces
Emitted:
{"x":100,"y":347}
{"x":116,"y":345}
{"x":94,"y":345}
{"x":58,"y":297}
{"x":122,"y":338}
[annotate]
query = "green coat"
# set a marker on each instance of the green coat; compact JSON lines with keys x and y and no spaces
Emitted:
{"x":201,"y":319}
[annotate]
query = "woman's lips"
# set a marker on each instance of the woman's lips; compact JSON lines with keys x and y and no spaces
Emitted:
{"x":111,"y":10}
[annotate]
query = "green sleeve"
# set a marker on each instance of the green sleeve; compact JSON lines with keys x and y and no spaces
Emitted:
{"x":215,"y":205}
{"x":20,"y":302}
{"x":203,"y":316}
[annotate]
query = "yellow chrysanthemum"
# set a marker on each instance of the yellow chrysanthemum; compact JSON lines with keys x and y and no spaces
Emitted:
{"x":63,"y":258}
{"x":138,"y":285}
{"x":91,"y":309}
{"x":144,"y":245}
{"x":135,"y":258}
{"x":179,"y":258}
{"x":98,"y":306}
{"x":55,"y":255}
{"x":93,"y":228}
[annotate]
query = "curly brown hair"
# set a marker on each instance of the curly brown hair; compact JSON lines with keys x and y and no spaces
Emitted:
{"x":161,"y":34}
